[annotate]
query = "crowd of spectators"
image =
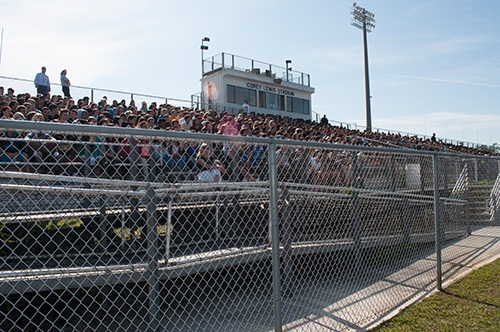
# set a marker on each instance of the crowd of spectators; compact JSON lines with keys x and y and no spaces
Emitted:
{"x":177,"y":156}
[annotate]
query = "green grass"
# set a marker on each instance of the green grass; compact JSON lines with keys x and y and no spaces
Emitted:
{"x":471,"y":304}
{"x":64,"y":224}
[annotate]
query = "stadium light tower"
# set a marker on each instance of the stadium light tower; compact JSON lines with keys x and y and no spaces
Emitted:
{"x":203,"y":47}
{"x":364,"y":20}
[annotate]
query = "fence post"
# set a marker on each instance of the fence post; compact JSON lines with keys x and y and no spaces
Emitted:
{"x":437,"y":223}
{"x":152,"y":256}
{"x":104,"y":247}
{"x":422,"y":177}
{"x":275,"y":237}
{"x":133,"y":158}
{"x":407,"y":225}
{"x":494,"y":208}
{"x":287,"y":243}
{"x":87,"y":172}
{"x":356,"y":229}
{"x":103,"y":235}
{"x":303,"y":166}
{"x":476,"y":180}
{"x":168,"y":238}
{"x":235,"y":176}
{"x":393,"y":173}
{"x":355,"y":211}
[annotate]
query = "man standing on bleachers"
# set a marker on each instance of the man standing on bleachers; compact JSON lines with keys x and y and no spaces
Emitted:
{"x":42,"y":82}
{"x":324,"y":121}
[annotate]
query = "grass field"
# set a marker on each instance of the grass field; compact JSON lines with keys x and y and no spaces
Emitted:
{"x":471,"y":304}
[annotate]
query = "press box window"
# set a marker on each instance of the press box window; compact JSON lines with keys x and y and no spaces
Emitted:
{"x":238,"y":95}
{"x":271,"y":101}
{"x":297,"y":105}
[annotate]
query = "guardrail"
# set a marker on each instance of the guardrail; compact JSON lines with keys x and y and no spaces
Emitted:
{"x":295,"y":234}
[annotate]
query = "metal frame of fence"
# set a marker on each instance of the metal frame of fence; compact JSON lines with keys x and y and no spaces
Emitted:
{"x":326,"y":236}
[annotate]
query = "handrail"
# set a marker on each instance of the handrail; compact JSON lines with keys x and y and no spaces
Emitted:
{"x":92,"y":89}
{"x":198,"y":103}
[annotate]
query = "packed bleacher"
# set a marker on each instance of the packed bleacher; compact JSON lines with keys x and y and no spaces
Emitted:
{"x":175,"y":156}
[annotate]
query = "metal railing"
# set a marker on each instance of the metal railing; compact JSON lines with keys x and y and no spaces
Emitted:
{"x":294,"y":235}
{"x":227,"y":60}
{"x":96,"y":94}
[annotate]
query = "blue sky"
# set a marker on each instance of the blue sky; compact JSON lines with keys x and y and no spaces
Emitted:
{"x":434,"y":65}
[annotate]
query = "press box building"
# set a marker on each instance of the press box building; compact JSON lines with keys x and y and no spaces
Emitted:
{"x":228,"y":80}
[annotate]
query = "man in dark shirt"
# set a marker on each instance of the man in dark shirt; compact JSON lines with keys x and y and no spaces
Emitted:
{"x":324,"y":120}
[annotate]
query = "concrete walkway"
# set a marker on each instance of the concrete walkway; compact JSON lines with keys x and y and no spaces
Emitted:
{"x":382,"y":300}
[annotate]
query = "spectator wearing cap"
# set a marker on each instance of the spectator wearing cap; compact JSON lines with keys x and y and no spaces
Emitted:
{"x":42,"y":83}
{"x":18,"y":116}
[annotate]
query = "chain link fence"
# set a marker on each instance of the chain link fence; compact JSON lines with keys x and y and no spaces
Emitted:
{"x":106,"y":228}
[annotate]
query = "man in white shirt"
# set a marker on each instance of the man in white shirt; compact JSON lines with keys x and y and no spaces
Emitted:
{"x":246,"y":107}
{"x":42,"y":82}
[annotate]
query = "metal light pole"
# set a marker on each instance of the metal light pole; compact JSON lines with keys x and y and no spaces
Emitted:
{"x":203,"y":47}
{"x":1,"y":48}
{"x":364,"y":20}
{"x":287,"y":62}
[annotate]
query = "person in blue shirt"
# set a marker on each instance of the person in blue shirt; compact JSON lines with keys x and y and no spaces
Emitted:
{"x":42,"y":82}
